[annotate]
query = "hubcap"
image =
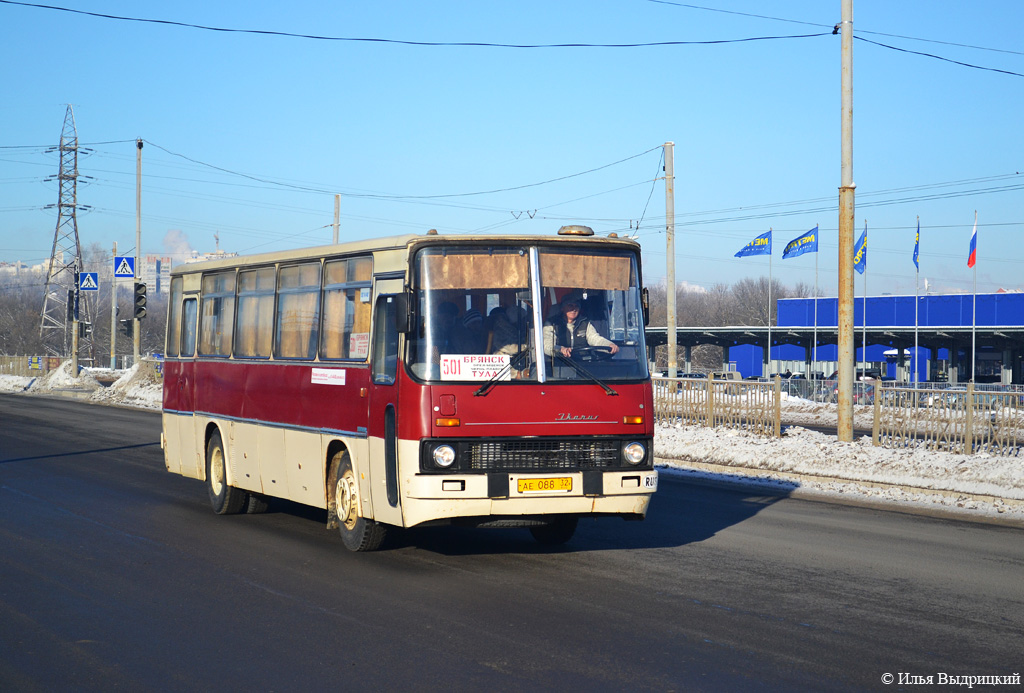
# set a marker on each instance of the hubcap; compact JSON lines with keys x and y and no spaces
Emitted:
{"x":217,"y":471}
{"x":345,"y":498}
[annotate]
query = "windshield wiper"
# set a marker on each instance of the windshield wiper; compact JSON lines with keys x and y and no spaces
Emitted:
{"x":500,"y":375}
{"x":584,"y":372}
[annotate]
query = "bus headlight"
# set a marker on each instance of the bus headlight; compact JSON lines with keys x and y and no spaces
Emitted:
{"x":634,"y":453}
{"x":444,"y":456}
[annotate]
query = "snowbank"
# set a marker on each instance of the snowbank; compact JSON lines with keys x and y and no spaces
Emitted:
{"x":803,"y":454}
{"x":139,"y":386}
{"x":14,"y":383}
{"x":63,"y":379}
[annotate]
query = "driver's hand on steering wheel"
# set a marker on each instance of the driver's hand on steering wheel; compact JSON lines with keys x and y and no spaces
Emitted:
{"x":566,"y":351}
{"x":615,"y":348}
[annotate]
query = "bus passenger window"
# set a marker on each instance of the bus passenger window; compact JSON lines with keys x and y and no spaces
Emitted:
{"x":346,"y":300}
{"x":298,"y":311}
{"x":188,"y":328}
{"x":174,"y":320}
{"x":218,"y":315}
{"x":254,"y":321}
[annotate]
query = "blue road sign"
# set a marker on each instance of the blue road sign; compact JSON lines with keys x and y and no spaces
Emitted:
{"x":124,"y":267}
{"x":88,"y":281}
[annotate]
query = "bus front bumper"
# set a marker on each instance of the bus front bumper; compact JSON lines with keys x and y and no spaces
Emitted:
{"x":507,"y":494}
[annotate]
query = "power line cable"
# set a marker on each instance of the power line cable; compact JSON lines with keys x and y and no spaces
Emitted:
{"x":355,"y":39}
{"x":939,"y":57}
{"x":382,"y":196}
{"x":856,"y":31}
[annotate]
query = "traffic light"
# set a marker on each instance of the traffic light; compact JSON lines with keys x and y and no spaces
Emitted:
{"x":128,"y":327}
{"x":84,"y":329}
{"x":140,"y":300}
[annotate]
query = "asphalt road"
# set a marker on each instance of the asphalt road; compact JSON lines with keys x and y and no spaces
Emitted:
{"x":117,"y":575}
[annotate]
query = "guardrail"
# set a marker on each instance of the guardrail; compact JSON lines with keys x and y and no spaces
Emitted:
{"x":965,"y":419}
{"x":747,"y":405}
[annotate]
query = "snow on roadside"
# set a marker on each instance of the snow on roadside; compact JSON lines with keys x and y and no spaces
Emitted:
{"x":62,"y":379}
{"x":805,"y":452}
{"x":139,"y":386}
{"x":14,"y":383}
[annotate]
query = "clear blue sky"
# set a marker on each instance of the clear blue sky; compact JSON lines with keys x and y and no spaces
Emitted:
{"x":756,"y":126}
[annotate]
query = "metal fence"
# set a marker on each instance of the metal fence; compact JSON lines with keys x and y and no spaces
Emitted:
{"x":964,"y":419}
{"x":747,"y":405}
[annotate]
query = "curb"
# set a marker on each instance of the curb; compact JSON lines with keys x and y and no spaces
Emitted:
{"x":765,"y":479}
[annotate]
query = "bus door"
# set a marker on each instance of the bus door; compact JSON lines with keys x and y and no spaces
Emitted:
{"x":382,"y":428}
{"x":192,"y":454}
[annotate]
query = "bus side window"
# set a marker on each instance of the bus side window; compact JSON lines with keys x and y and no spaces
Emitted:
{"x":174,"y":321}
{"x":188,"y":327}
{"x":385,"y":342}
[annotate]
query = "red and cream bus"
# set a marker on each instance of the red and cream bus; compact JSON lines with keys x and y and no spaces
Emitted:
{"x":404,"y":382}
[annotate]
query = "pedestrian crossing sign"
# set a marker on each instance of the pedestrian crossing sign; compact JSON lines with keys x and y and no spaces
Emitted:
{"x":124,"y":267}
{"x":88,"y":281}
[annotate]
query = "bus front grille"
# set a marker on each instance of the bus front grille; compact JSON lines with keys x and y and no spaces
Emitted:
{"x":543,"y":455}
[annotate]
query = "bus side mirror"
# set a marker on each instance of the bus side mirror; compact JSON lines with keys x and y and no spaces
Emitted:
{"x":645,"y":305}
{"x":405,"y":317}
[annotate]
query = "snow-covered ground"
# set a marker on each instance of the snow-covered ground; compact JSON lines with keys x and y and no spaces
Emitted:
{"x":813,"y":462}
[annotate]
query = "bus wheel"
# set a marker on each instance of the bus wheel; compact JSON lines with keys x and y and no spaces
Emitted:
{"x":256,"y":503}
{"x":357,"y":533}
{"x":226,"y":500}
{"x":556,"y":532}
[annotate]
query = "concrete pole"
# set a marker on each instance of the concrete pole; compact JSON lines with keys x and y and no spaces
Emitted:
{"x":337,"y":216}
{"x":846,"y":221}
{"x":137,"y":332}
{"x":670,"y":260}
{"x":74,"y":327}
{"x":113,"y":310}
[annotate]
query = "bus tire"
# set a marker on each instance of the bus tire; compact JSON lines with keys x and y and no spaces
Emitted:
{"x":225,"y":499}
{"x":357,"y":533}
{"x":555,"y":532}
{"x":256,"y":503}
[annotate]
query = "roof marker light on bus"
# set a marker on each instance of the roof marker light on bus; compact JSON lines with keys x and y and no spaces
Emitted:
{"x":447,"y":421}
{"x":432,"y":232}
{"x":575,"y":230}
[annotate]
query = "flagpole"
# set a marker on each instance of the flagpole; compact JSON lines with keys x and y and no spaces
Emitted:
{"x":864,"y":312}
{"x":814,"y":351}
{"x":974,"y":308}
{"x":917,"y":301}
{"x":769,"y":357}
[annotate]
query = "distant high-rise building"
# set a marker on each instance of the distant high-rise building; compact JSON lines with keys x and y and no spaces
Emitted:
{"x":156,"y":273}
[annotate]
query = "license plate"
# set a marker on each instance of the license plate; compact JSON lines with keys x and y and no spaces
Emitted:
{"x":554,"y":485}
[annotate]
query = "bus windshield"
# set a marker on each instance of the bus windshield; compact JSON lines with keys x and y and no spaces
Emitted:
{"x":533,"y":314}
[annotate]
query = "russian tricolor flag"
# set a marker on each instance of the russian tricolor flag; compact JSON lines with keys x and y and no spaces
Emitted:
{"x":973,"y":256}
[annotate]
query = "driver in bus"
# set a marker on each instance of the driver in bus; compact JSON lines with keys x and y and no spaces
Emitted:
{"x":568,"y":329}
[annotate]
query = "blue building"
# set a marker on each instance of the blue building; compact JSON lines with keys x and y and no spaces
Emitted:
{"x":945,"y":333}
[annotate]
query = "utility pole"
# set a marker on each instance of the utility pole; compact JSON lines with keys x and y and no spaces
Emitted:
{"x":670,"y":260}
{"x":337,"y":216}
{"x":137,"y":332}
{"x":846,"y":221}
{"x":113,"y":310}
{"x":74,"y":328}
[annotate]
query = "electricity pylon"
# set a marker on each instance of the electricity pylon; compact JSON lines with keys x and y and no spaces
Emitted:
{"x":66,"y":255}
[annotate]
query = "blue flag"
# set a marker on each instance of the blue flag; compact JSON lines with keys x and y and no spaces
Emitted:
{"x":762,"y":245}
{"x":860,"y":252}
{"x":917,"y":243}
{"x":807,"y":243}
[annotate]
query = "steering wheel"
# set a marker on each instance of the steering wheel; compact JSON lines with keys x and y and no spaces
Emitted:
{"x":591,"y":353}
